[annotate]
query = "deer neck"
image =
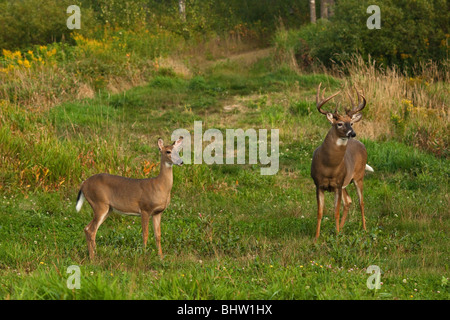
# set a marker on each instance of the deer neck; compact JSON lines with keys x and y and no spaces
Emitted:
{"x":165,"y":177}
{"x":334,"y":148}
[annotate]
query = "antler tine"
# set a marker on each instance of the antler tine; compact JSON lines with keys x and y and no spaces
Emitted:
{"x":361,"y":103}
{"x":347,"y":110}
{"x":318,"y":104}
{"x":336,"y":109}
{"x":322,"y":101}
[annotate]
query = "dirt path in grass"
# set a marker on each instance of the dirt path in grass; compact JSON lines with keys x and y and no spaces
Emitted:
{"x":248,"y":57}
{"x":200,"y":64}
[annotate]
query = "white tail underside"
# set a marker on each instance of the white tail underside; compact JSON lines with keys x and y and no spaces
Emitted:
{"x":369,"y":168}
{"x":80,"y":202}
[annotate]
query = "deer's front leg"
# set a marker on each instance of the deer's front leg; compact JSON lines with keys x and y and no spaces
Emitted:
{"x":320,"y":206}
{"x":157,"y":230}
{"x":337,"y":206}
{"x":145,"y":217}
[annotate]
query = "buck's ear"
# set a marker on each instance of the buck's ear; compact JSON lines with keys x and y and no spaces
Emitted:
{"x":330,"y":117}
{"x":177,"y":144}
{"x":160,"y":144}
{"x":356,"y":117}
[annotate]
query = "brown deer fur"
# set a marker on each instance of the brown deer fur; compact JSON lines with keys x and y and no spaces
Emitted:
{"x":140,"y":197}
{"x":339,"y":161}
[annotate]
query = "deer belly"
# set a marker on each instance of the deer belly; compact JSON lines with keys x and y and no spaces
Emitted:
{"x":126,"y":213}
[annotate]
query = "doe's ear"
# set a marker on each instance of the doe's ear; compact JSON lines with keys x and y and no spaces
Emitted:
{"x":177,"y":144}
{"x":330,"y":117}
{"x":160,"y":144}
{"x":356,"y":117}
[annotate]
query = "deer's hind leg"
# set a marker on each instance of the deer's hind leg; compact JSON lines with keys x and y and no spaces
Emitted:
{"x":347,"y":202}
{"x":101,"y":212}
{"x":359,"y":189}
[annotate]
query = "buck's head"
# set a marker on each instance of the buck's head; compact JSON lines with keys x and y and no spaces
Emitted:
{"x":342,"y":124}
{"x":170,"y":154}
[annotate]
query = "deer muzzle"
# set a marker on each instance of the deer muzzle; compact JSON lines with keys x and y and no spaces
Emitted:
{"x":351,"y":133}
{"x":176,"y":159}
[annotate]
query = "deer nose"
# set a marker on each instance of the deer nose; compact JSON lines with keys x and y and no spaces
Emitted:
{"x":351,"y":134}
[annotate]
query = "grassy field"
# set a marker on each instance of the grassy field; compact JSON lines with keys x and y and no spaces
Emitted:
{"x":229,"y":232}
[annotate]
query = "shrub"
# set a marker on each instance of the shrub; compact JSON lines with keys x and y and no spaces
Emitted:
{"x":411,"y":32}
{"x":22,"y":22}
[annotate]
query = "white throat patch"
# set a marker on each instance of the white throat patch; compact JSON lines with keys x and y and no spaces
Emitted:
{"x":342,"y":141}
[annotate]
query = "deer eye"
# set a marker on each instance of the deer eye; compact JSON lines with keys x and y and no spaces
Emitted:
{"x":168,"y":152}
{"x":339,"y":125}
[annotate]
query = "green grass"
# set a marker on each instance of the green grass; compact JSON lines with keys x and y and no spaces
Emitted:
{"x":229,"y":232}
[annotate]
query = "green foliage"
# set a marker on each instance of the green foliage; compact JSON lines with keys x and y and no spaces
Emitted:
{"x":121,"y":14}
{"x":32,"y":22}
{"x":411,"y":32}
{"x":22,"y":24}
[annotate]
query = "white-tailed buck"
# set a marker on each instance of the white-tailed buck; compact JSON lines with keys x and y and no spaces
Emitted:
{"x":137,"y":197}
{"x":339,"y":161}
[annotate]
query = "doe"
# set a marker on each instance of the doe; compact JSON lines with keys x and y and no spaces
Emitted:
{"x":339,"y":161}
{"x":137,"y":197}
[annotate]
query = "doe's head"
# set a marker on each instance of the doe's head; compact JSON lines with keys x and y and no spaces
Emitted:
{"x":170,"y":154}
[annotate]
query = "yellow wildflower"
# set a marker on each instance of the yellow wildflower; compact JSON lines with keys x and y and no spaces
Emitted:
{"x":405,"y":55}
{"x":51,"y":53}
{"x":7,"y":53}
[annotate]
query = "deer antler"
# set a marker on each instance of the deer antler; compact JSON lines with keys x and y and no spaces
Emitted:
{"x":322,"y":101}
{"x":361,"y":104}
